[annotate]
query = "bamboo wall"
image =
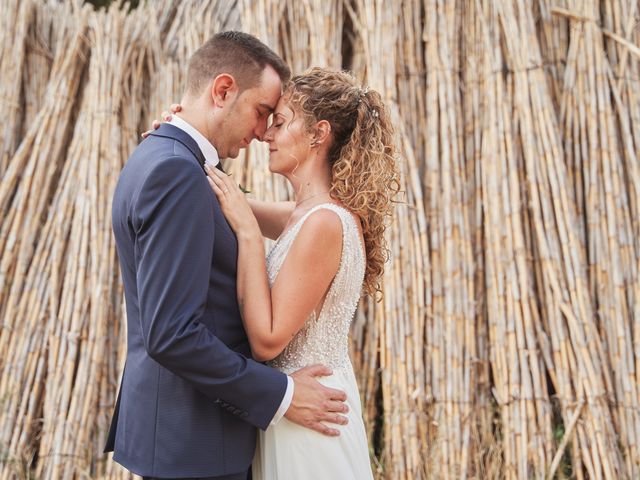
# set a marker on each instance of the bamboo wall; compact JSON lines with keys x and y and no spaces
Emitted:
{"x":507,"y":344}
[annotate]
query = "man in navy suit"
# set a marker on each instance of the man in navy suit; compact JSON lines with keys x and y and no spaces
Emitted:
{"x":191,"y":396}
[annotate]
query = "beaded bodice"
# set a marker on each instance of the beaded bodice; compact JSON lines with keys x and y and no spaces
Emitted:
{"x":324,"y":337}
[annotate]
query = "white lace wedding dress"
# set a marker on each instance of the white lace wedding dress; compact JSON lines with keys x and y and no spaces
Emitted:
{"x":286,"y":450}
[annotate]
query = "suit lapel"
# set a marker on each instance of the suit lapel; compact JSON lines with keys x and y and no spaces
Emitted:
{"x":167,"y":130}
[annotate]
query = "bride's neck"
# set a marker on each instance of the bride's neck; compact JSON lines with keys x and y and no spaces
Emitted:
{"x":311,"y":185}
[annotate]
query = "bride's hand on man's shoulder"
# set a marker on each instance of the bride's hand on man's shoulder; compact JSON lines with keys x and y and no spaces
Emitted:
{"x":165,"y":116}
{"x":233,"y":203}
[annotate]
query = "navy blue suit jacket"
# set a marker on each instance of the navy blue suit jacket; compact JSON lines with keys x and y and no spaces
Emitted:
{"x":191,"y":397}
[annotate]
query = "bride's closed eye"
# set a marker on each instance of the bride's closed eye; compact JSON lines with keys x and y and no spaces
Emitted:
{"x":277,"y":120}
{"x":275,"y":125}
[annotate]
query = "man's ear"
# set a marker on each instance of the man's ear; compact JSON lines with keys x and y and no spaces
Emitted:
{"x":223,"y":89}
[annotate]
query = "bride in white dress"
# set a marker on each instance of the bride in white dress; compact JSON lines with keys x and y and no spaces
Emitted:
{"x":333,"y":141}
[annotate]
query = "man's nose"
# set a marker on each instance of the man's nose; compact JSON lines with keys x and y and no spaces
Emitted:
{"x":260,"y":130}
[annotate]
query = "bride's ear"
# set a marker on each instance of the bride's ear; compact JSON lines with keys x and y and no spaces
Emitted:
{"x":322,"y":131}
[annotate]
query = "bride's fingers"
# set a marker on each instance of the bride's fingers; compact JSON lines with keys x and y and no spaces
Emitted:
{"x":166,"y":116}
{"x":225,"y":179}
{"x":211,"y":173}
{"x":217,"y":181}
{"x":216,"y":190}
{"x":221,"y":179}
{"x":175,"y":107}
{"x":146,"y":134}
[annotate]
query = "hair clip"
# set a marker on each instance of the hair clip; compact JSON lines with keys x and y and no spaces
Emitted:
{"x":362,"y":91}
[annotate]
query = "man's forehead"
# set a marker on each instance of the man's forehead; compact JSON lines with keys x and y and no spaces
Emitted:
{"x":267,"y":106}
{"x":270,"y":88}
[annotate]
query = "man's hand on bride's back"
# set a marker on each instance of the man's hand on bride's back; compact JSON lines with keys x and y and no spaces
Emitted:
{"x":314,"y":403}
{"x":164,"y":117}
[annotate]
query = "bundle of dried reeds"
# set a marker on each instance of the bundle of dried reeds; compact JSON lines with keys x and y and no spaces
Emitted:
{"x":597,"y":168}
{"x":399,"y":344}
{"x":25,"y":199}
{"x":95,"y":158}
{"x":15,"y":18}
{"x":41,"y":45}
{"x":519,"y":377}
{"x":579,"y":363}
{"x":452,"y":338}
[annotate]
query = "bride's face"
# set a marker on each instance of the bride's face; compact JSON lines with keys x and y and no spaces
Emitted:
{"x":288,"y":139}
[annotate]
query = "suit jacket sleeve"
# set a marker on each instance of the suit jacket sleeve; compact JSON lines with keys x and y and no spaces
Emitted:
{"x":172,"y":220}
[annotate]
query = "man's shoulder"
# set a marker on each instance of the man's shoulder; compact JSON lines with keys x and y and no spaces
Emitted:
{"x":159,"y":163}
{"x":161,"y":153}
{"x":162,"y":147}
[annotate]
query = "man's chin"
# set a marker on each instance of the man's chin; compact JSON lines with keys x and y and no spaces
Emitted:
{"x":233,"y":153}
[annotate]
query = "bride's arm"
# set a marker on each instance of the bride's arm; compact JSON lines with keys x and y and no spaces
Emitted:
{"x":271,"y":216}
{"x":272,"y":317}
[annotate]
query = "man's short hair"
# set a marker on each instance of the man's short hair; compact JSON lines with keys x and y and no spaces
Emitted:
{"x":236,"y":53}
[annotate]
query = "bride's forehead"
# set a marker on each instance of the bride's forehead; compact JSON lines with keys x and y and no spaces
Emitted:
{"x":283,"y":108}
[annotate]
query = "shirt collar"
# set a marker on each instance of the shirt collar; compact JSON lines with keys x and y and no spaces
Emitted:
{"x":209,"y":151}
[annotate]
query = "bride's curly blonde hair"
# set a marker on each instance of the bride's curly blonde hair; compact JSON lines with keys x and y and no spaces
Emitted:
{"x":362,"y":153}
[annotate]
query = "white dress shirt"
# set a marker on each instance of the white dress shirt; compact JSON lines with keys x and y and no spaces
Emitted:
{"x":209,"y":151}
{"x":211,"y":158}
